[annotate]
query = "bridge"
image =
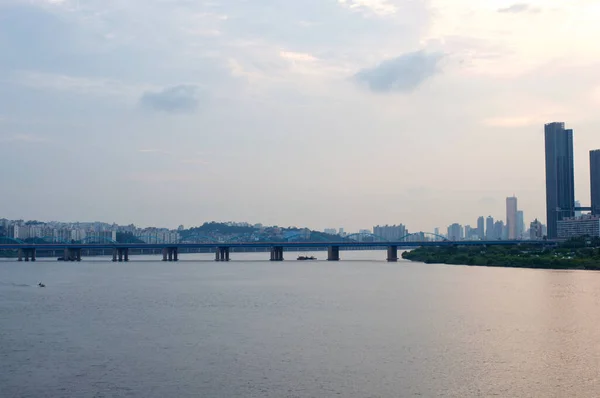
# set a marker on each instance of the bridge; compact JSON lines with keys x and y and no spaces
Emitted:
{"x":170,"y":251}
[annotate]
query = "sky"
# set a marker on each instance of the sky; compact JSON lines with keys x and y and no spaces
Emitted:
{"x":317,"y":113}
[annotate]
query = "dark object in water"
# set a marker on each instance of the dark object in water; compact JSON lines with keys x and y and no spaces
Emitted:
{"x":41,"y":284}
{"x":303,"y":258}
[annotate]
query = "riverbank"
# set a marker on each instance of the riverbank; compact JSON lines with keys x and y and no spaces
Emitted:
{"x":580,"y":254}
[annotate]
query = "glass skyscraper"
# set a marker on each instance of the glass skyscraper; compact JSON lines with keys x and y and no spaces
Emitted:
{"x":595,"y":181}
{"x":560,"y":186}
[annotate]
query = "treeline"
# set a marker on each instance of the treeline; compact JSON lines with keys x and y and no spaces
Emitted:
{"x":216,"y":227}
{"x":578,"y":253}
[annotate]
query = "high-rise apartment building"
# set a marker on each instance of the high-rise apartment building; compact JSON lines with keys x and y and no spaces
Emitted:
{"x":481,"y":228}
{"x":390,"y":232}
{"x":489,"y":228}
{"x":499,"y":230}
{"x":560,"y":187}
{"x":511,"y":217}
{"x":455,"y":232}
{"x":536,"y":230}
{"x":595,"y":180}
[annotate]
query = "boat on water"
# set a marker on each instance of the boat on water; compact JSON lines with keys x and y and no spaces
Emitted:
{"x":304,"y":258}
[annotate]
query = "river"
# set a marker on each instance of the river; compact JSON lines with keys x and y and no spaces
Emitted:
{"x":252,"y":328}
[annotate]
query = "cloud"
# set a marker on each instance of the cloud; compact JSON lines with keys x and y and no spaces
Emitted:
{"x":182,"y":98}
{"x":518,"y":8}
{"x":402,"y":74}
{"x":295,"y":56}
{"x":378,"y":7}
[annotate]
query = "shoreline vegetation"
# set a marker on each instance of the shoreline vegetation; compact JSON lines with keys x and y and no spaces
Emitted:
{"x":581,"y":253}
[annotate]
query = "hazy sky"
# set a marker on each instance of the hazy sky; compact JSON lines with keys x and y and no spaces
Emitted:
{"x":318,"y":113}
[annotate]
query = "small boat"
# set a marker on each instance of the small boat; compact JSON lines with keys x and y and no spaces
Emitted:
{"x":304,"y":258}
{"x":41,"y":284}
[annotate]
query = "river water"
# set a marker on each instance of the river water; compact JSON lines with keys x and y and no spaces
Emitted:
{"x":251,"y":328}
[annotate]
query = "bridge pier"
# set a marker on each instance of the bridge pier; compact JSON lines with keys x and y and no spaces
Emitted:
{"x":222,"y":254}
{"x":277,"y":253}
{"x":333,"y":253}
{"x":175,"y":253}
{"x":20,"y":255}
{"x":165,"y":253}
{"x":125,"y":254}
{"x":120,"y":255}
{"x":114,"y":255}
{"x":392,"y":254}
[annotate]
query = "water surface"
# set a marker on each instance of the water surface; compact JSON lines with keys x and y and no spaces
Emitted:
{"x":252,"y":328}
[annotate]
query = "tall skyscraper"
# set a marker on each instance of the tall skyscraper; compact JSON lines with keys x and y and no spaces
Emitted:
{"x":489,"y":228}
{"x":511,"y":217}
{"x":481,"y":228}
{"x":520,"y":224}
{"x":595,"y":180}
{"x":560,"y":187}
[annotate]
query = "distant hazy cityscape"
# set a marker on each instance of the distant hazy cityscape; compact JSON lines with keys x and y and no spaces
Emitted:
{"x":565,"y":217}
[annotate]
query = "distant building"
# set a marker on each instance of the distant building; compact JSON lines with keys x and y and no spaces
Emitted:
{"x":511,"y":218}
{"x":572,"y":227}
{"x":499,"y":230}
{"x":390,"y":232}
{"x":577,"y":212}
{"x":595,"y":181}
{"x":520,"y":224}
{"x":330,"y":231}
{"x":341,"y":232}
{"x":560,"y":187}
{"x":536,"y":230}
{"x":489,"y":228}
{"x":436,"y":231}
{"x":481,"y":228}
{"x":455,"y":232}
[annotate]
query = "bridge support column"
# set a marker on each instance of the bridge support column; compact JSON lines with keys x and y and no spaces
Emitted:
{"x":20,"y":255}
{"x":120,"y":254}
{"x":277,"y":253}
{"x":175,"y":253}
{"x":67,"y":254}
{"x":333,"y":253}
{"x":125,"y":254}
{"x":392,"y":254}
{"x":170,"y":254}
{"x":222,"y":254}
{"x":114,"y":258}
{"x":33,"y":254}
{"x":26,"y":253}
{"x":165,"y":252}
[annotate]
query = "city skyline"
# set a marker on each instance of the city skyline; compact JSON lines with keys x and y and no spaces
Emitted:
{"x":161,"y":113}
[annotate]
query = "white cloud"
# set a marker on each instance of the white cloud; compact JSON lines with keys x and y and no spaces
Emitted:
{"x":378,"y":7}
{"x":295,"y":56}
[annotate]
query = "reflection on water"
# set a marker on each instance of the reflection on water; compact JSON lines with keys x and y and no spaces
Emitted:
{"x":252,"y":328}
